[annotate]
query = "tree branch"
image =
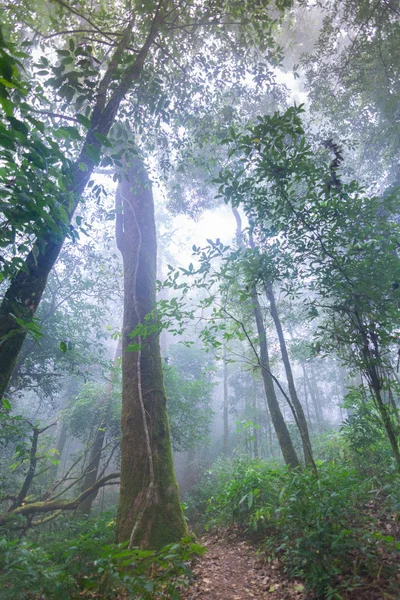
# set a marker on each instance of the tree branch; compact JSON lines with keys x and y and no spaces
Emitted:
{"x":52,"y":505}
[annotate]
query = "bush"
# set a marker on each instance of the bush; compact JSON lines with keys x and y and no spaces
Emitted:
{"x":86,"y":566}
{"x":315,"y":525}
{"x":320,"y":532}
{"x":249,"y":495}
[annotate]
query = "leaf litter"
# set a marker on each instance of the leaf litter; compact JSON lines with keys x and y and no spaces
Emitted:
{"x":231,"y":570}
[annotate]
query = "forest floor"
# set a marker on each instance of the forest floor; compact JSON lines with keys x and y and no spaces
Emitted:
{"x":231,"y":570}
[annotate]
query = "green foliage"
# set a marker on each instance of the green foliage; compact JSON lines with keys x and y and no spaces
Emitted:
{"x":315,"y":525}
{"x":33,"y":167}
{"x":352,"y":83}
{"x":88,"y":564}
{"x":188,"y":379}
{"x":249,"y":496}
{"x":364,"y":434}
{"x":318,"y":529}
{"x":296,"y":201}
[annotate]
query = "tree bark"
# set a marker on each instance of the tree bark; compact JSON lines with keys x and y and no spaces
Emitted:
{"x":26,"y":288}
{"x":149,"y":510}
{"x":301,"y":419}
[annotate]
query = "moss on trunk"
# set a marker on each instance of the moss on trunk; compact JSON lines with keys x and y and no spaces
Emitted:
{"x":158,"y":517}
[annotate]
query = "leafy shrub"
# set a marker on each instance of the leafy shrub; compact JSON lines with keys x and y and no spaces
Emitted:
{"x":365,"y":436}
{"x":249,"y":496}
{"x":28,"y":572}
{"x":85,"y":566}
{"x":320,"y":532}
{"x":315,"y":525}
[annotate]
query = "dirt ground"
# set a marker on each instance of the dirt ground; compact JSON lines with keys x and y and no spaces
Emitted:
{"x":231,"y":570}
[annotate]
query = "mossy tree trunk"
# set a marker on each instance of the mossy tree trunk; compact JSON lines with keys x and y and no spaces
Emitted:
{"x":149,"y":511}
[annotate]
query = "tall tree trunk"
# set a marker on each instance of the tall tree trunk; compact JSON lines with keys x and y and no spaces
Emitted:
{"x":225,"y":408}
{"x":301,"y":419}
{"x":98,"y":442}
{"x":26,"y":288}
{"x":315,"y":401}
{"x":255,"y":430}
{"x":93,"y":468}
{"x":282,"y":432}
{"x":306,"y":392}
{"x":149,"y":510}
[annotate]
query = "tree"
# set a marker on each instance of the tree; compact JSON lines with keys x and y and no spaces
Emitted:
{"x":27,"y":286}
{"x":300,"y":416}
{"x":158,"y":33}
{"x":351,"y":78}
{"x":281,"y":430}
{"x":149,"y":508}
{"x":97,"y":443}
{"x":281,"y":182}
{"x":70,"y":342}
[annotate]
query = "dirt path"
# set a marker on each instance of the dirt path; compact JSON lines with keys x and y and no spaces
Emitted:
{"x":230,"y":570}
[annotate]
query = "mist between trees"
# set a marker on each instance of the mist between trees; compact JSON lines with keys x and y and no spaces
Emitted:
{"x":200,"y":288}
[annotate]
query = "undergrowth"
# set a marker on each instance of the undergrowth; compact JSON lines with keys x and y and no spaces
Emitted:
{"x":77,"y":559}
{"x":317,"y":526}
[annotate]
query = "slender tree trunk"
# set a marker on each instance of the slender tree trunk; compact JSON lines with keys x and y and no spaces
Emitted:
{"x":282,"y":432}
{"x":375,"y":375}
{"x":26,"y":288}
{"x":98,"y":443}
{"x":149,"y":510}
{"x":255,"y":430}
{"x":301,"y":419}
{"x":269,"y":433}
{"x":93,"y":468}
{"x":315,"y":401}
{"x":225,"y":408}
{"x":306,"y":394}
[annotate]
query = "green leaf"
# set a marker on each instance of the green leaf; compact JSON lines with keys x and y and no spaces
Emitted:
{"x":93,"y":153}
{"x":6,"y":404}
{"x":84,"y":121}
{"x":63,"y":346}
{"x":103,"y":139}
